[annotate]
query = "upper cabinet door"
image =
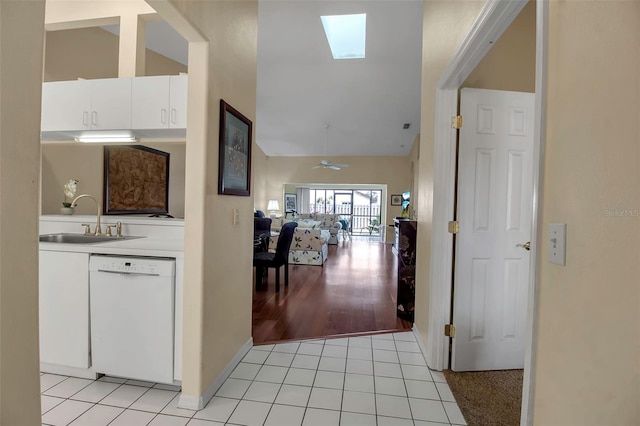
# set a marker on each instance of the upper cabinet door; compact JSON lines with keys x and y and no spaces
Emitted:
{"x":110,"y":103}
{"x":159,"y":102}
{"x":66,"y":105}
{"x":103,"y":104}
{"x":150,"y":102}
{"x":178,"y":102}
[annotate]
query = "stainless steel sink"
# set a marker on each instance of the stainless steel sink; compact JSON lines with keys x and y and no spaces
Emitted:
{"x":65,"y":238}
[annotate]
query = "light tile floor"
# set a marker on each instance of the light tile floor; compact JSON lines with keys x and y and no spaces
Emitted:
{"x":378,"y":380}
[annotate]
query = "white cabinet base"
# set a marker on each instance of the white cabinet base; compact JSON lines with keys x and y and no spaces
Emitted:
{"x":83,"y":373}
{"x":64,"y":308}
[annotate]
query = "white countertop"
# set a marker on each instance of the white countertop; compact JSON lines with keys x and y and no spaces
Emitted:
{"x":161,"y":237}
{"x":106,"y":219}
{"x":146,"y":246}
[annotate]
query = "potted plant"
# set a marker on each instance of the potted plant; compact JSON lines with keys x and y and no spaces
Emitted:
{"x":69,"y":193}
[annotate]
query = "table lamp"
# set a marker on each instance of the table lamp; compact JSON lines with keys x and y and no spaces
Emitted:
{"x":273,"y":207}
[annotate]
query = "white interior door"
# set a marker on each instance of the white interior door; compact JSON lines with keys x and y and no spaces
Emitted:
{"x":494,"y":211}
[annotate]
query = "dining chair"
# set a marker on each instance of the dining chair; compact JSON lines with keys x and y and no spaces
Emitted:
{"x":261,"y":232}
{"x":265,"y":260}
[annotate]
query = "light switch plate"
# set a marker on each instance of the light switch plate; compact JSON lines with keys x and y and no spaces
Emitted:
{"x":557,"y":243}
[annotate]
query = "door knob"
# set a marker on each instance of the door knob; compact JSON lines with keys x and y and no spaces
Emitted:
{"x":526,"y":246}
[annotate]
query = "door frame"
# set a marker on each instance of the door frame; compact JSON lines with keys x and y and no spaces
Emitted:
{"x":494,"y":19}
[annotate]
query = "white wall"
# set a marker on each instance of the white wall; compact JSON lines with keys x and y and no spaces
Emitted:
{"x":218,"y":278}
{"x":21,"y":38}
{"x":588,"y":358}
{"x":94,"y":53}
{"x":587,"y":365}
{"x":85,"y":163}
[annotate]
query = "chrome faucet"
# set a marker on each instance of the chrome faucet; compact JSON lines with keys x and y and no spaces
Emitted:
{"x":98,"y":213}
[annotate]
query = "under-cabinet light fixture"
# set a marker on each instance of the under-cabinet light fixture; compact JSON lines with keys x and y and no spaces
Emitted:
{"x":107,"y":137}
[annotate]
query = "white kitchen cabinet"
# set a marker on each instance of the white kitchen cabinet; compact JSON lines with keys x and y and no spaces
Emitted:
{"x":64,"y":308}
{"x":159,"y":102}
{"x":64,"y":106}
{"x":101,"y":104}
{"x":178,"y":101}
{"x":110,"y":103}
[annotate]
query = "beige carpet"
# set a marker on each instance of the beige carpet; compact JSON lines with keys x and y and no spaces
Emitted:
{"x":488,"y":397}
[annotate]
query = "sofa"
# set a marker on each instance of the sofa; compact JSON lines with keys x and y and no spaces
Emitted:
{"x":329,"y":222}
{"x":309,"y":245}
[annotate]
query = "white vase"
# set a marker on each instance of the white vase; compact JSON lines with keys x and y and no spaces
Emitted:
{"x":67,"y":210}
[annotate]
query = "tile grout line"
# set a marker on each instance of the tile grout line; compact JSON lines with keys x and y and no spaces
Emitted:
{"x":97,"y":402}
{"x":79,"y":415}
{"x":136,"y":400}
{"x":65,"y":399}
{"x":344,"y":379}
{"x":251,"y":384}
{"x":42,"y":392}
{"x":403,"y":380}
{"x":285,"y":377}
{"x":41,"y":395}
{"x":315,"y":375}
{"x":373,"y":377}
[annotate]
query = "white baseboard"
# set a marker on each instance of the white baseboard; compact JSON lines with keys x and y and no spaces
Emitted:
{"x":193,"y":402}
{"x":423,"y":348}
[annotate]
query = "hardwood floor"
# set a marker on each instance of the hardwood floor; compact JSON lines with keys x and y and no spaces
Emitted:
{"x":354,"y":293}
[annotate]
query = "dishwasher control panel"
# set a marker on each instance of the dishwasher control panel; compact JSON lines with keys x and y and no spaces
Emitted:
{"x":131,"y":265}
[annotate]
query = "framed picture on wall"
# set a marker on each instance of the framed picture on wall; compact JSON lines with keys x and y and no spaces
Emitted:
{"x":290,"y":201}
{"x":234,"y":162}
{"x":136,"y":180}
{"x":396,"y":200}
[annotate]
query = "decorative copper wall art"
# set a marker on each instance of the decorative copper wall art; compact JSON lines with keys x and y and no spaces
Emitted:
{"x":136,"y":180}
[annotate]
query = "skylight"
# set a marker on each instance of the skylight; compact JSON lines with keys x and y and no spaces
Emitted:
{"x":346,"y":35}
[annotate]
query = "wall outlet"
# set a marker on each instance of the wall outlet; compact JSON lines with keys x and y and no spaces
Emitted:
{"x":557,"y":243}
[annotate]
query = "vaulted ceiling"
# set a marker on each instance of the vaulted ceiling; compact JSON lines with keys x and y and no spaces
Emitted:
{"x":365,"y":102}
{"x":301,"y":89}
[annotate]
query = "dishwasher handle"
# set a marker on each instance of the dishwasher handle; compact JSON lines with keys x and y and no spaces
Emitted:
{"x":126,"y":273}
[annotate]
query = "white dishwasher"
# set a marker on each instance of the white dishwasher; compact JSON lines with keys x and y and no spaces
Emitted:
{"x":132,"y":319}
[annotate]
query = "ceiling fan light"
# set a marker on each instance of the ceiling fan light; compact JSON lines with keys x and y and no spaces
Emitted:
{"x":326,"y":164}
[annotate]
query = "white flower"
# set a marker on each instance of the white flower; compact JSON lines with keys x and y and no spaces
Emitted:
{"x":70,"y":191}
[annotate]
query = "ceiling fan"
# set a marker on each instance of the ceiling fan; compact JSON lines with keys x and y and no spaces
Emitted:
{"x":326,"y":164}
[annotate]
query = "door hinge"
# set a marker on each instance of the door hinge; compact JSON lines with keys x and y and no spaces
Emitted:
{"x":456,"y":122}
{"x":450,"y":330}
{"x":454,"y":227}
